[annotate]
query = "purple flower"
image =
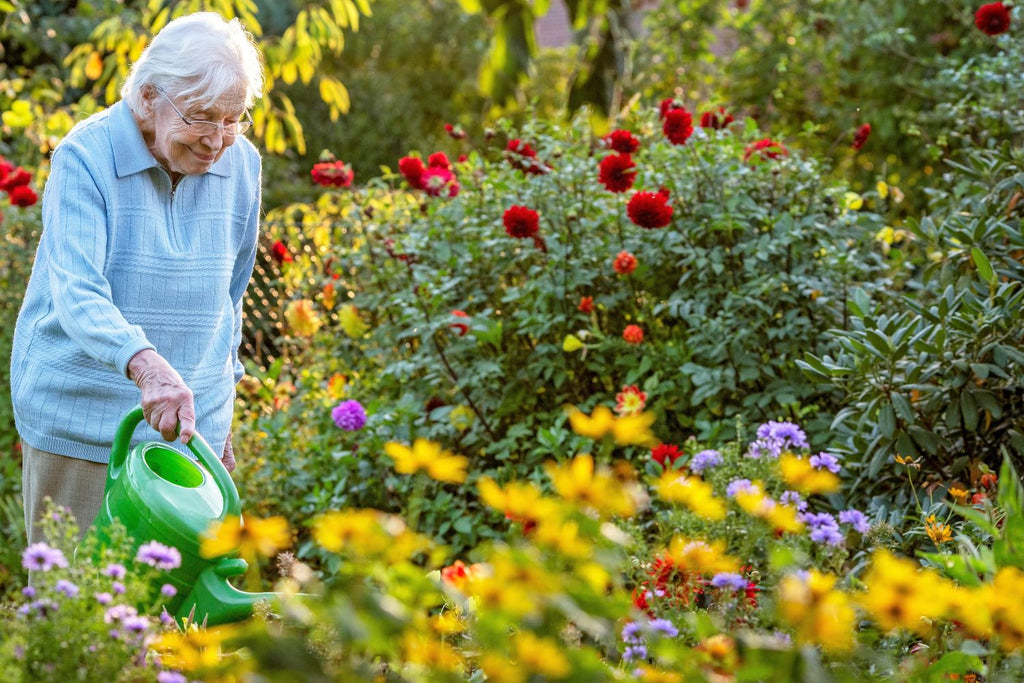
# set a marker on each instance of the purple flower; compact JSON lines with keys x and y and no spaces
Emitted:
{"x":115,"y":571}
{"x":104,"y":598}
{"x":349,"y":415}
{"x":118,"y":588}
{"x":737,"y":485}
{"x":135,"y":624}
{"x":29,"y":592}
{"x":793,"y":499}
{"x":775,"y":437}
{"x":42,"y":558}
{"x":66,"y":587}
{"x":119,"y":613}
{"x":168,"y":591}
{"x":824,"y":461}
{"x":855,"y":518}
{"x":823,"y":527}
{"x":664,"y":627}
{"x":42,"y":607}
{"x":631,"y":632}
{"x":170,"y":677}
{"x":635,"y":652}
{"x":705,"y":460}
{"x":730,"y":580}
{"x":159,"y":555}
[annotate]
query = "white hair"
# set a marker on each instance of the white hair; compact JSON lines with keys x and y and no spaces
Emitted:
{"x":198,"y":58}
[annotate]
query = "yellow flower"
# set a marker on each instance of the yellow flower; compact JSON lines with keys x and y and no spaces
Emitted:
{"x":512,"y":582}
{"x":571,"y":343}
{"x":958,"y":494}
{"x":563,"y":537}
{"x":937,"y":531}
{"x":336,"y":386}
{"x":693,"y":492}
{"x":252,"y":538}
{"x":908,"y":461}
{"x":19,"y":115}
{"x":817,"y":612}
{"x":302,"y":319}
{"x":541,"y":655}
{"x":804,"y":477}
{"x":902,"y":595}
{"x":461,"y":417}
{"x":351,"y":322}
{"x":700,"y":556}
{"x":579,"y":482}
{"x":627,"y":430}
{"x":192,"y":650}
{"x":883,"y":189}
{"x":448,"y":622}
{"x":328,"y":296}
{"x":852,"y":201}
{"x":431,"y":653}
{"x":1005,"y":598}
{"x":499,"y":669}
{"x":426,"y":455}
{"x":338,"y":530}
{"x":782,"y":518}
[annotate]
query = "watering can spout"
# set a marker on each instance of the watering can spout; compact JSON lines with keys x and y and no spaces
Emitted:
{"x":213,"y":600}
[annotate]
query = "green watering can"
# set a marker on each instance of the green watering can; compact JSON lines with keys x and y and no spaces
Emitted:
{"x":160,"y":494}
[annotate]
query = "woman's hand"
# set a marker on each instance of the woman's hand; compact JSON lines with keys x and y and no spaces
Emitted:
{"x":166,"y":401}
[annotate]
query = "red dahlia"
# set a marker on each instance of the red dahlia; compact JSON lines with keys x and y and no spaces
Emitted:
{"x":23,"y":195}
{"x":439,"y":160}
{"x":617,"y":172}
{"x":716,"y":120}
{"x":766,"y":149}
{"x":586,"y":304}
{"x":439,"y":181}
{"x":280,"y":252}
{"x":993,"y":18}
{"x":650,"y":209}
{"x":665,"y":451}
{"x":412,"y":169}
{"x":633,"y":334}
{"x":678,"y":125}
{"x":15,"y":178}
{"x":523,"y":157}
{"x":521,"y":222}
{"x":622,"y":141}
{"x":861,"y":136}
{"x":332,"y":173}
{"x":624,"y":263}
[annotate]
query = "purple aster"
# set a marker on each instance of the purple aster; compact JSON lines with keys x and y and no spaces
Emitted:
{"x":349,"y":415}
{"x":824,"y":461}
{"x":135,"y":623}
{"x":170,"y":677}
{"x":664,"y":627}
{"x":118,"y":588}
{"x":705,"y":460}
{"x":737,"y":485}
{"x":168,"y":591}
{"x":104,"y":598}
{"x":29,"y":592}
{"x":66,"y":587}
{"x":823,"y":527}
{"x":855,"y":518}
{"x":775,"y":437}
{"x":115,"y":571}
{"x":635,"y":652}
{"x":631,"y":632}
{"x":730,"y":580}
{"x":793,"y":499}
{"x":119,"y":613}
{"x":42,"y":558}
{"x":158,"y":555}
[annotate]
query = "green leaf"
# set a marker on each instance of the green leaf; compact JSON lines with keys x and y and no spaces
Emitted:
{"x":982,"y":264}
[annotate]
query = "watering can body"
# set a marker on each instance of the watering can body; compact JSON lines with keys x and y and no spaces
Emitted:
{"x":160,"y":494}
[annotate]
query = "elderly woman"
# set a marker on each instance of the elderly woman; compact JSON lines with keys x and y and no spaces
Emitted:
{"x":150,"y":219}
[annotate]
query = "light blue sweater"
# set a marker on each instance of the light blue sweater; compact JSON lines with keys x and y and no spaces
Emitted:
{"x":125,"y":264}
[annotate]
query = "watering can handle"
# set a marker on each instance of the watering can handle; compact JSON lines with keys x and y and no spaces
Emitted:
{"x":197,"y":444}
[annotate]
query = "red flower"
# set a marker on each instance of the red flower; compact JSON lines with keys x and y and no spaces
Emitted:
{"x":439,"y":160}
{"x":716,"y":119}
{"x":650,"y":209}
{"x":678,"y":125}
{"x":630,"y":400}
{"x":521,"y":221}
{"x":766,"y":149}
{"x":861,"y":136}
{"x":667,"y":105}
{"x":586,"y":304}
{"x":617,"y":172}
{"x":460,"y":328}
{"x":412,"y":169}
{"x":455,"y":131}
{"x":23,"y":195}
{"x":622,"y":141}
{"x":280,"y":252}
{"x":665,"y":451}
{"x":523,"y":157}
{"x":14,"y":179}
{"x":438,"y":181}
{"x":993,"y":18}
{"x":625,"y":263}
{"x":633,"y":334}
{"x":336,"y":173}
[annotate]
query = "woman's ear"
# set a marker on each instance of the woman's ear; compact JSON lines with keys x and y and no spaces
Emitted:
{"x":149,"y":94}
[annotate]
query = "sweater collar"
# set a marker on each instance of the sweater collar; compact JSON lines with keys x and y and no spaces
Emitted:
{"x":130,"y":152}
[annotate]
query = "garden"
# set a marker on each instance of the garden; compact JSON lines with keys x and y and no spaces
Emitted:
{"x":688,"y":351}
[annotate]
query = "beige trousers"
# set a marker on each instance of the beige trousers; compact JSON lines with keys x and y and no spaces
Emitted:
{"x":71,"y":482}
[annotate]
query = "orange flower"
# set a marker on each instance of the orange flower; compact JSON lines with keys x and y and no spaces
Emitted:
{"x":633,"y":334}
{"x":625,"y":263}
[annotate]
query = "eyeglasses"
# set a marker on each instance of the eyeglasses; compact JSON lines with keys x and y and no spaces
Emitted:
{"x":203,"y":128}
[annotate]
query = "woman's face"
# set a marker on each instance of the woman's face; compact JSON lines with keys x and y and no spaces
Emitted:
{"x":178,"y":145}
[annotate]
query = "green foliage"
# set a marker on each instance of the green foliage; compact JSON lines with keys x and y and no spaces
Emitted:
{"x":936,"y":373}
